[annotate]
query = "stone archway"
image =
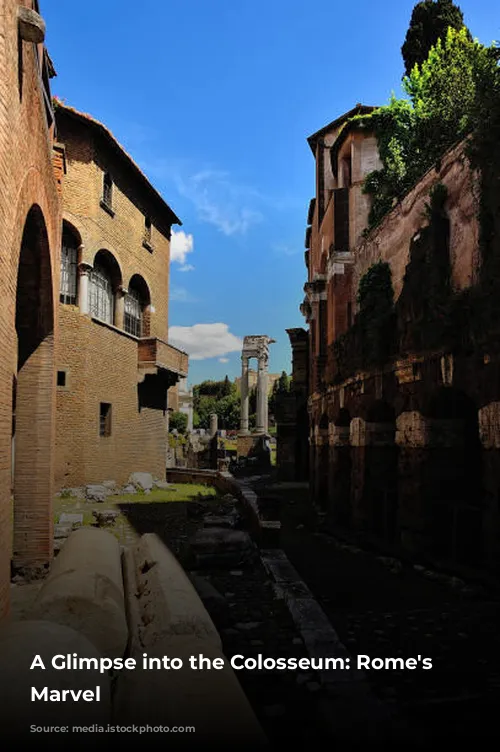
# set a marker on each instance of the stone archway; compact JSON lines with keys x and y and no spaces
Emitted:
{"x":340,"y":469}
{"x":381,"y":471}
{"x":33,"y":419}
{"x":453,"y":482}
{"x":322,"y":464}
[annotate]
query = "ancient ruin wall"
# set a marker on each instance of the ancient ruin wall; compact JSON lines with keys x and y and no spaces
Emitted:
{"x":390,"y":240}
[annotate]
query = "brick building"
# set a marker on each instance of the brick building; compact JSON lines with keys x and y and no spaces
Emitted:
{"x":114,"y":364}
{"x":403,"y":382}
{"x":30,"y":232}
{"x":85,"y":365}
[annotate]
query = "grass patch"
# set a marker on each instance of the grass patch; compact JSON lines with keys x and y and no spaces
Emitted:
{"x":181,"y":492}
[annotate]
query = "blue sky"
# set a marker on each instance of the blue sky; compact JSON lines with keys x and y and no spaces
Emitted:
{"x":215,"y":99}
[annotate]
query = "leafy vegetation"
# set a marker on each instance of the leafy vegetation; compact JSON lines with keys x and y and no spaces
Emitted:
{"x":281,"y":386}
{"x":445,"y":94}
{"x":370,"y":340}
{"x":218,"y":397}
{"x":178,"y":421}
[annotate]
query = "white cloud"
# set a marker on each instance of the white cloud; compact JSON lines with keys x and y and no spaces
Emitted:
{"x":286,"y":249}
{"x":180,"y":245}
{"x":203,"y":341}
{"x":220,"y":201}
{"x":181,"y":295}
{"x":223,"y":360}
{"x":186,"y":268}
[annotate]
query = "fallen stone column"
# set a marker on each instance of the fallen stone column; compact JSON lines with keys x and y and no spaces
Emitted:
{"x":209,"y":701}
{"x":20,"y":642}
{"x":168,"y":604}
{"x":84,"y":591}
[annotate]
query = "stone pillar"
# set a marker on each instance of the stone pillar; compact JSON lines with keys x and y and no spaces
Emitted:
{"x":244,"y":396}
{"x":84,"y":288}
{"x":119,"y":313}
{"x":262,"y":404}
{"x":213,"y":424}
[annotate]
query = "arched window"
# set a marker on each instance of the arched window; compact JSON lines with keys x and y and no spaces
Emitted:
{"x":69,"y":264}
{"x":104,"y":281}
{"x":137,"y":303}
{"x":101,"y":295}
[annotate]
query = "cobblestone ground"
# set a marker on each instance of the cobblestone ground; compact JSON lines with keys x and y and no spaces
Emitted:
{"x":387,"y":611}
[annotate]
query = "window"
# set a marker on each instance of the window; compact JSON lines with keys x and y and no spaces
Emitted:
{"x":133,"y":313}
{"x":101,"y":295}
{"x":105,"y":419}
{"x":107,"y":190}
{"x":69,"y":263}
{"x":147,"y":230}
{"x":137,"y":307}
{"x":61,"y":378}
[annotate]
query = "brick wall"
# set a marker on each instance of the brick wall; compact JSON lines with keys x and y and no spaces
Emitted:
{"x":101,"y":366}
{"x":88,"y":157}
{"x":26,"y":180}
{"x":101,"y":361}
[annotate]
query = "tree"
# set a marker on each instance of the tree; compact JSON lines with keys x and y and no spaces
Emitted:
{"x":413,"y":134}
{"x":429,"y":22}
{"x":178,"y":421}
{"x":280,"y":386}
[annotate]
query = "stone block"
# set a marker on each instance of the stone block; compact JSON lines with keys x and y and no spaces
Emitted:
{"x":96,"y":492}
{"x":163,"y":485}
{"x":84,"y":590}
{"x":220,"y":547}
{"x":62,"y":531}
{"x":105,"y":517}
{"x":143,"y":481}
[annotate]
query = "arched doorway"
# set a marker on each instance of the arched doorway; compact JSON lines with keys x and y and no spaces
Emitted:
{"x":453,"y":478}
{"x":33,"y":398}
{"x":341,"y":470}
{"x":322,"y":463}
{"x":381,"y":471}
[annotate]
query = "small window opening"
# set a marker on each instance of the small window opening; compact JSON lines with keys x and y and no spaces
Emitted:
{"x":61,"y":378}
{"x":107,"y":190}
{"x":105,"y":419}
{"x":147,"y":230}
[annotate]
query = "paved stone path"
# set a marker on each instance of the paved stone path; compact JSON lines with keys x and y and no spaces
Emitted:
{"x":386,"y":611}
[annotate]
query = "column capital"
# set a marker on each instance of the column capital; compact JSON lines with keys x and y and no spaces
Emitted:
{"x":84,"y":268}
{"x":121,"y":290}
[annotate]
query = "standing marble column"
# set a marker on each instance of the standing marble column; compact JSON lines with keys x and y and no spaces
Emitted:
{"x":262,"y":403}
{"x":84,"y":271}
{"x":119,"y":312}
{"x":213,"y":424}
{"x":244,"y":396}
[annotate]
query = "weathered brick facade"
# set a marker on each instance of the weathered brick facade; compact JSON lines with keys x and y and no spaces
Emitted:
{"x":102,"y":363}
{"x":30,"y":229}
{"x":405,"y":414}
{"x":108,"y":379}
